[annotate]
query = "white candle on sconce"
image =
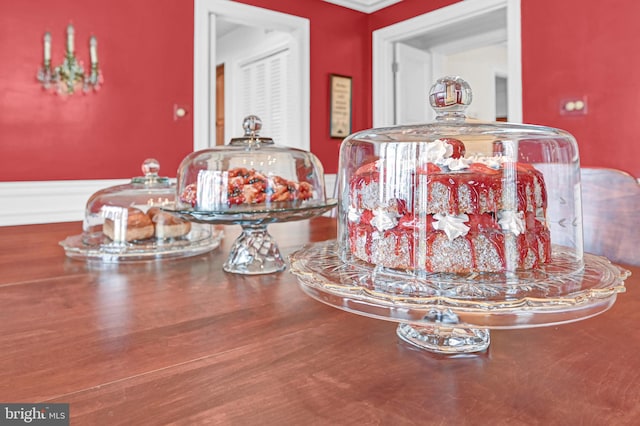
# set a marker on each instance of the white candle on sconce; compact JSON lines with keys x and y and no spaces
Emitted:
{"x":70,"y":32}
{"x":93,"y":50}
{"x":47,"y":47}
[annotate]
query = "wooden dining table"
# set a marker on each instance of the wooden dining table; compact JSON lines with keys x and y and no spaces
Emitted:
{"x":180,"y":341}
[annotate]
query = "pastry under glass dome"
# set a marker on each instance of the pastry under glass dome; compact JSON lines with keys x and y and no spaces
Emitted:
{"x":456,"y":227}
{"x":126,"y":223}
{"x":251,"y":182}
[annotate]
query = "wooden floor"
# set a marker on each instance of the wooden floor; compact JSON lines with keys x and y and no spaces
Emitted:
{"x":182,"y":342}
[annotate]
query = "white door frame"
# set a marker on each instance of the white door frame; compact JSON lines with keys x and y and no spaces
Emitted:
{"x":383,"y":51}
{"x":204,"y":61}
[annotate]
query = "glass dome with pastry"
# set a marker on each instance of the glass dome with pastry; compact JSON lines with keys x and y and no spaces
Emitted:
{"x":127,"y":223}
{"x":250,"y":174}
{"x":458,"y":226}
{"x":251,"y":182}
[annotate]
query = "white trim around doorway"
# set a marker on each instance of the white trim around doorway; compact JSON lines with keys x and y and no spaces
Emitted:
{"x":205,"y":14}
{"x":383,"y":51}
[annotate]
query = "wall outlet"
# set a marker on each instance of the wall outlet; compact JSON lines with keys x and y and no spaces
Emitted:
{"x":574,"y":106}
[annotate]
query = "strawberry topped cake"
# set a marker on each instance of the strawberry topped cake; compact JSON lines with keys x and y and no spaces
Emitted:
{"x":445,"y":212}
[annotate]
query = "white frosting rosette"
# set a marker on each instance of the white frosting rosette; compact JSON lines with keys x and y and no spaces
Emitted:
{"x":452,"y":225}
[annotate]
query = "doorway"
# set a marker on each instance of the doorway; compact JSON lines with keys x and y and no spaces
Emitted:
{"x":438,"y":40}
{"x":220,"y":138}
{"x":211,"y":14}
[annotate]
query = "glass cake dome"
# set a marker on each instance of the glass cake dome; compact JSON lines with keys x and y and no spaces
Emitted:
{"x":251,"y":182}
{"x":460,"y":196}
{"x":456,"y":227}
{"x":249,"y":173}
{"x":127,"y":223}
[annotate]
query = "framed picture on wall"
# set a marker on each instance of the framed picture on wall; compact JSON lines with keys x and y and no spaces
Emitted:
{"x":340,"y":104}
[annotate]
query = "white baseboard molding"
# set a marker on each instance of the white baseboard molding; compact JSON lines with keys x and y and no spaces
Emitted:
{"x":25,"y":203}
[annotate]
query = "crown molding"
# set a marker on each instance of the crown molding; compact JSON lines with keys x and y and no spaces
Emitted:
{"x":365,"y":6}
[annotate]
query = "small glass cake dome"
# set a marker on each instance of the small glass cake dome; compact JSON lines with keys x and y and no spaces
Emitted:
{"x":457,"y":227}
{"x":460,"y":196}
{"x":251,"y":182}
{"x":250,"y":172}
{"x":127,"y":222}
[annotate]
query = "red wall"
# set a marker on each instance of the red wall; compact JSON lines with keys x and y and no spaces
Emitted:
{"x":145,"y":49}
{"x":146,"y":54}
{"x":576,"y":48}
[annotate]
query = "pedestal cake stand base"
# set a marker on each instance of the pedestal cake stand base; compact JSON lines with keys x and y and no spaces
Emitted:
{"x":445,"y":340}
{"x":254,"y":252}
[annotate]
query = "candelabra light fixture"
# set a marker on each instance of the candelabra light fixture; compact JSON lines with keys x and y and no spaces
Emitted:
{"x":70,"y":77}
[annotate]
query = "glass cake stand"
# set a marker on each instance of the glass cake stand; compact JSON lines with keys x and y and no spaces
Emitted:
{"x":452,"y":313}
{"x":96,"y":246}
{"x":255,"y":251}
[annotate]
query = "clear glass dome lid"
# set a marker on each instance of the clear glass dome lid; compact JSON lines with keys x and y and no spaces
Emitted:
{"x":250,"y":173}
{"x":251,"y":182}
{"x":128,"y":222}
{"x":458,"y":195}
{"x":141,"y":193}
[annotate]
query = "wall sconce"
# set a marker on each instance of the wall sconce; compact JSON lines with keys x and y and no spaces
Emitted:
{"x":70,"y":77}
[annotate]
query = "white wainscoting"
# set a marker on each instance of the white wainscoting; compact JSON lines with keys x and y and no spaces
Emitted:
{"x":24,"y":203}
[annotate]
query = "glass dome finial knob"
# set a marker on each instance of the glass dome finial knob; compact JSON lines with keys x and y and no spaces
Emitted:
{"x":450,"y":96}
{"x":252,"y":125}
{"x":150,"y":167}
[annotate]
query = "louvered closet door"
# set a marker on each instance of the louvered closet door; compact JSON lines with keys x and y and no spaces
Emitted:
{"x":265,"y":92}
